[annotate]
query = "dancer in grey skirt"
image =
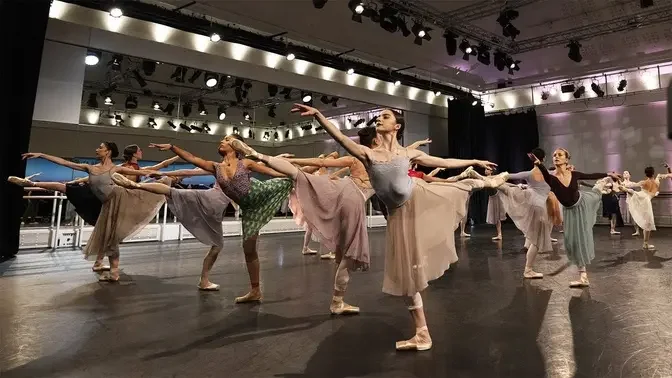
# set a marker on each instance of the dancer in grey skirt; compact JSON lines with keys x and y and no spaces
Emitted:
{"x":579,"y":209}
{"x":201,"y":212}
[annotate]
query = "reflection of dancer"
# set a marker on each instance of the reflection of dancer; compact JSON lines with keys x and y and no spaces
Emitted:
{"x":258,"y":200}
{"x":627,"y":183}
{"x":333,"y":209}
{"x":611,"y":210}
{"x":496,"y":212}
{"x":579,"y":209}
{"x":419,"y":249}
{"x":639,"y":203}
{"x":201,"y":212}
{"x":123,"y":213}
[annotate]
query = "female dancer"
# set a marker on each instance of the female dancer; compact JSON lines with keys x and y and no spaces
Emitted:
{"x":496,"y":213}
{"x":123,"y":212}
{"x":579,"y":209}
{"x":132,"y":153}
{"x":629,"y":184}
{"x":308,"y":236}
{"x":611,"y":210}
{"x":639,"y":203}
{"x":419,"y":249}
{"x":258,"y":200}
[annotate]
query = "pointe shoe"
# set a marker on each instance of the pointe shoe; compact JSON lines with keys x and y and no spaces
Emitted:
{"x":328,"y":256}
{"x":614,"y":232}
{"x":308,"y":251}
{"x":636,"y":234}
{"x":124,"y":182}
{"x":465,"y":235}
{"x":111,"y":276}
{"x":243,"y":148}
{"x":338,"y":307}
{"x":467,"y":173}
{"x":497,"y":180}
{"x":531,"y":274}
{"x":582,"y":282}
{"x":20,"y":181}
{"x":100,"y":268}
{"x":554,"y":240}
{"x":498,"y":237}
{"x":209,"y":287}
{"x":416,"y":343}
{"x":648,"y":246}
{"x":252,"y":296}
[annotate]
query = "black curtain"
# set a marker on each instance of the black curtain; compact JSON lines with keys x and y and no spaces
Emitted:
{"x":502,"y":139}
{"x":20,"y":67}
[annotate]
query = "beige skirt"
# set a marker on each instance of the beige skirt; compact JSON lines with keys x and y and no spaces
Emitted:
{"x":124,"y":214}
{"x":421,"y":235}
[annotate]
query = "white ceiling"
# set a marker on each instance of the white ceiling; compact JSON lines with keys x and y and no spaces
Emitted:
{"x":331,"y":28}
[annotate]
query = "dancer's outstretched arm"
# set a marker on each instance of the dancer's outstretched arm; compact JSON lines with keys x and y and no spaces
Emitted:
{"x":342,"y":162}
{"x":163,"y":164}
{"x":187,"y":156}
{"x":57,"y":160}
{"x":426,"y":160}
{"x":133,"y":172}
{"x":263,"y":169}
{"x":435,"y":172}
{"x":185,"y":173}
{"x":416,"y":145}
{"x":355,"y":149}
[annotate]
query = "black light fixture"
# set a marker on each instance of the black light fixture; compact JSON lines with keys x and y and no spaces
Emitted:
{"x":156,"y":106}
{"x":567,"y":88}
{"x":357,"y":8}
{"x":483,"y":54}
{"x":544,"y":95}
{"x":246,"y":116}
{"x":184,"y":127}
{"x":388,"y":19}
{"x":141,"y":81}
{"x":131,"y":102}
{"x":92,"y":102}
{"x":179,"y":74}
{"x":118,"y":120}
{"x":371,"y":121}
{"x":325,"y":99}
{"x":319,"y":4}
{"x":92,"y":57}
{"x":596,"y":88}
{"x":195,"y":76}
{"x":214,"y":37}
{"x":186,"y":109}
{"x":574,"y":51}
{"x":148,"y":67}
{"x":359,"y":122}
{"x":201,"y":108}
{"x":622,"y":84}
{"x":109,"y":101}
{"x":151,"y":122}
{"x":579,"y":91}
{"x":235,"y":131}
{"x":451,"y":42}
{"x":287,"y":92}
{"x":421,"y":32}
{"x":205,"y":127}
{"x":272,"y":90}
{"x":250,"y":134}
{"x":504,"y":20}
{"x":171,"y":124}
{"x":197,"y":128}
{"x":467,"y":49}
{"x":513,"y":65}
{"x":306,"y":97}
{"x":210,"y":79}
{"x":221,"y":112}
{"x":169,"y":109}
{"x":334,"y":101}
{"x":271,"y":111}
{"x":287,"y":134}
{"x":276,"y":136}
{"x":645,"y":3}
{"x":116,"y":61}
{"x":116,"y":12}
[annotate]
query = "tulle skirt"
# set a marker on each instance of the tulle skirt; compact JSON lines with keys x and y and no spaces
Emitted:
{"x":335,"y":211}
{"x":86,"y":204}
{"x":201,"y":212}
{"x":420,"y":240}
{"x":527,"y":209}
{"x":261,"y":203}
{"x":639,"y":205}
{"x":496,"y":212}
{"x":579,"y":220}
{"x":124,"y":213}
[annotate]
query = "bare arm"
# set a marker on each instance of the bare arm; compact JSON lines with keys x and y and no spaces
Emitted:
{"x":342,"y":162}
{"x":186,"y":173}
{"x":187,"y":156}
{"x":264,"y":170}
{"x":310,"y":169}
{"x":419,"y":143}
{"x":133,"y":172}
{"x":422,"y":158}
{"x":163,"y":164}
{"x":434,"y":172}
{"x":79,"y":180}
{"x":339,"y":173}
{"x":58,"y":160}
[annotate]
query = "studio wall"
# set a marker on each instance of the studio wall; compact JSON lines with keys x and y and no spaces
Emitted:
{"x":616,"y":138}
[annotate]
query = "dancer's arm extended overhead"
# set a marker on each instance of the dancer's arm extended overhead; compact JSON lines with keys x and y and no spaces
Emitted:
{"x":426,"y":160}
{"x":187,"y":156}
{"x":163,"y":164}
{"x":57,"y":160}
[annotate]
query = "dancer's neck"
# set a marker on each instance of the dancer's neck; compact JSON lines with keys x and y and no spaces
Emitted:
{"x":561,"y":168}
{"x":230,"y":158}
{"x":388,"y":141}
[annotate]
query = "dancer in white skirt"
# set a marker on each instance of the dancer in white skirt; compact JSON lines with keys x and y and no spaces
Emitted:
{"x":639,"y":202}
{"x":629,"y":184}
{"x":496,"y":212}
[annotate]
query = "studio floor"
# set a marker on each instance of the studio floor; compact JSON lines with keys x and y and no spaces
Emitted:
{"x":56,"y":320}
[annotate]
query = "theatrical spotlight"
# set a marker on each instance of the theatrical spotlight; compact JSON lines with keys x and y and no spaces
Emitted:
{"x":287,"y":92}
{"x":184,"y":127}
{"x":596,"y":88}
{"x":148,"y":67}
{"x":195,"y":76}
{"x":131,"y":102}
{"x":201,"y":108}
{"x":579,"y":92}
{"x":466,"y":49}
{"x":210,"y":79}
{"x":272,"y":90}
{"x":504,"y":20}
{"x":287,"y":134}
{"x":483,"y":54}
{"x":171,"y":124}
{"x":92,"y":58}
{"x":116,"y":12}
{"x":357,"y":8}
{"x":92,"y":102}
{"x":622,"y":84}
{"x":319,"y":4}
{"x":246,"y":115}
{"x":271,"y":111}
{"x":371,"y":122}
{"x":306,"y":97}
{"x":141,"y":81}
{"x":186,"y":109}
{"x":474,"y":103}
{"x":421,"y":32}
{"x":513,"y":65}
{"x":544,"y":95}
{"x":109,"y":101}
{"x":500,"y":60}
{"x":290,"y":56}
{"x":156,"y":106}
{"x":214,"y":37}
{"x":451,"y":42}
{"x":574,"y":51}
{"x":169,"y":109}
{"x":116,"y":61}
{"x":221,"y":112}
{"x":276,"y":136}
{"x":334,"y":101}
{"x":151,"y":123}
{"x":235,"y":131}
{"x":325,"y":99}
{"x":179,"y":74}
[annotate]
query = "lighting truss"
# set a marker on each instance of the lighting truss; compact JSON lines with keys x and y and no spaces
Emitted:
{"x":482,"y":9}
{"x":649,"y":17}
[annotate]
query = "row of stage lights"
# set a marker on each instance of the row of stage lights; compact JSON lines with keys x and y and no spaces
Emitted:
{"x":579,"y":91}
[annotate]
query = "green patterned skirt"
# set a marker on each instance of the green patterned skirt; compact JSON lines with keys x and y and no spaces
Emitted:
{"x":262,"y":202}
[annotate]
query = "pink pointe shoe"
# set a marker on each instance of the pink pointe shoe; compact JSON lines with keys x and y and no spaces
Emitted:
{"x":421,"y":341}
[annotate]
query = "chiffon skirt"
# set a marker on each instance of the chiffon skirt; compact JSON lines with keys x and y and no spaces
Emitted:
{"x":86,"y":204}
{"x":527,"y":209}
{"x":124,"y":213}
{"x":201,"y":212}
{"x":420,"y":240}
{"x":579,"y":220}
{"x":496,"y":212}
{"x":639,"y":205}
{"x":335,"y":211}
{"x":261,"y":203}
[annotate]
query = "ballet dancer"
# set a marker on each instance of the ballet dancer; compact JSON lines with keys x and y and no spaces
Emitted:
{"x":308,"y":236}
{"x":132,"y":153}
{"x":201,"y":212}
{"x":419,"y":248}
{"x":258,"y":200}
{"x":123,"y":212}
{"x":579,"y":208}
{"x":639,"y":202}
{"x":611,"y":209}
{"x":629,"y":184}
{"x":496,"y":213}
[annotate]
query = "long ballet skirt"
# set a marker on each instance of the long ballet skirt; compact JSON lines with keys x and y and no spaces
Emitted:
{"x":420,"y":242}
{"x":579,"y":220}
{"x":496,"y":212}
{"x":262,"y":202}
{"x":527,"y":209}
{"x":639,"y":205}
{"x":86,"y":204}
{"x":201,"y":212}
{"x":554,"y":209}
{"x":335,"y":211}
{"x":124,"y":213}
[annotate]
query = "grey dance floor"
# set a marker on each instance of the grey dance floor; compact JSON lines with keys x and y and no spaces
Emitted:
{"x":56,"y":320}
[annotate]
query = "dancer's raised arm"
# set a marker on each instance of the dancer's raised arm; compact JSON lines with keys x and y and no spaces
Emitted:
{"x":163,"y":164}
{"x":356,"y":150}
{"x":187,"y":156}
{"x":57,"y":160}
{"x":133,"y":172}
{"x":416,"y":145}
{"x":342,"y":162}
{"x":421,"y":158}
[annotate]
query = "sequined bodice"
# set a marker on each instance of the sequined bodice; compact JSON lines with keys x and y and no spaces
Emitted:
{"x":390,"y":180}
{"x":237,"y":186}
{"x":101,"y":184}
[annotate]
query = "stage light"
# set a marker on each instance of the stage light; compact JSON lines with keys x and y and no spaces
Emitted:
{"x":131,"y":102}
{"x":500,"y":60}
{"x":466,"y":49}
{"x":210,"y":79}
{"x":325,"y":99}
{"x":474,"y":103}
{"x":235,"y":131}
{"x":195,"y":76}
{"x":271,"y":111}
{"x":184,"y":127}
{"x":92,"y":102}
{"x":214,"y":37}
{"x":574,"y":51}
{"x":544,"y":95}
{"x":513,"y":65}
{"x":272,"y":90}
{"x":351,"y":71}
{"x":116,"y":61}
{"x":287,"y":134}
{"x":567,"y":88}
{"x":451,"y":43}
{"x":171,"y":124}
{"x":116,"y":12}
{"x":221,"y":112}
{"x":579,"y":92}
{"x":148,"y":67}
{"x":483,"y":54}
{"x":397,"y":83}
{"x":504,"y":20}
{"x":186,"y":109}
{"x":108,"y":101}
{"x":169,"y":109}
{"x":179,"y":74}
{"x":205,"y":126}
{"x":151,"y":122}
{"x":141,"y":81}
{"x":357,"y":8}
{"x":156,"y":106}
{"x":421,"y":32}
{"x":622,"y":84}
{"x":334,"y":101}
{"x":201,"y":108}
{"x":306,"y":97}
{"x":291,"y":56}
{"x":319,"y":4}
{"x":437,"y":93}
{"x":596,"y":88}
{"x":246,"y":115}
{"x":118,"y":120}
{"x":92,"y":58}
